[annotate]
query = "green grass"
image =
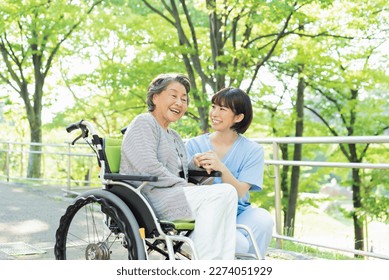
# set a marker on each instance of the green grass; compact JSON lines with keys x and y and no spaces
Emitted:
{"x":310,"y":251}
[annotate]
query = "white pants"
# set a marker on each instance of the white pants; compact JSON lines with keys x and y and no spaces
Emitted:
{"x":261,"y":224}
{"x":214,"y":208}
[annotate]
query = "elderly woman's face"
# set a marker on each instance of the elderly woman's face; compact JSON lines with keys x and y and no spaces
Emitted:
{"x":171,"y":104}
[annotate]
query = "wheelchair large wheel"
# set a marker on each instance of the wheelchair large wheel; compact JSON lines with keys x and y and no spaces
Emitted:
{"x":98,"y":226}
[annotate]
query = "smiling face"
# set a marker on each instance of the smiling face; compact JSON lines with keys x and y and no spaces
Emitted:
{"x":232,"y":109}
{"x":223,"y":118}
{"x":171,"y":104}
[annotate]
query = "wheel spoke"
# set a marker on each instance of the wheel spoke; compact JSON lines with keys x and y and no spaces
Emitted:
{"x":92,"y":229}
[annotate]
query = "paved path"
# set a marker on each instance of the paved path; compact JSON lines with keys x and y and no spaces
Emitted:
{"x":29,"y":218}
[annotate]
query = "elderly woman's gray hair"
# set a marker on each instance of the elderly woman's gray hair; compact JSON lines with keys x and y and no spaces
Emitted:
{"x":161,"y":82}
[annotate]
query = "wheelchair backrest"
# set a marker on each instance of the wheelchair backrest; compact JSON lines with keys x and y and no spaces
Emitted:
{"x":112,"y":152}
{"x":112,"y":148}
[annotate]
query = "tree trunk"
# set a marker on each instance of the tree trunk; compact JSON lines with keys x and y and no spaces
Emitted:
{"x":359,"y":238}
{"x":359,"y":243}
{"x":203,"y":113}
{"x":293,"y":192}
{"x":34,"y":159}
{"x":34,"y":116}
{"x":284,"y":182}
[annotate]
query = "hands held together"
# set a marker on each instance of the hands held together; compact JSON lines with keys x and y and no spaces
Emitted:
{"x":209,"y":161}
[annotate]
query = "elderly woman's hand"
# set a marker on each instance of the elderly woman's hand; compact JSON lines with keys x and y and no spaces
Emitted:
{"x":209,"y":161}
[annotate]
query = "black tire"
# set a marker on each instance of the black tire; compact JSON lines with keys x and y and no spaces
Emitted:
{"x":98,"y":226}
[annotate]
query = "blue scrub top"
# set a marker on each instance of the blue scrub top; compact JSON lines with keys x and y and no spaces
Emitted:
{"x":245,"y":160}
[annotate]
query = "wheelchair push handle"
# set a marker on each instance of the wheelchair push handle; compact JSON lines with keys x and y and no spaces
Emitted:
{"x":74,"y":126}
{"x":85,"y":128}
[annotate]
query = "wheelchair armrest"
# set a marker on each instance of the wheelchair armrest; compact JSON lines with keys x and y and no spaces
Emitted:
{"x":121,"y":177}
{"x":201,"y":177}
{"x":196,"y":173}
{"x":201,"y":173}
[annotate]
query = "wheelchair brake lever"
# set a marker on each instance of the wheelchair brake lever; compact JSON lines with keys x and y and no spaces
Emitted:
{"x":83,"y":134}
{"x":75,"y":140}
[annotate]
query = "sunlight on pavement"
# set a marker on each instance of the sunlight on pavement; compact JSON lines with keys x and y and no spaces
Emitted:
{"x":24,"y":227}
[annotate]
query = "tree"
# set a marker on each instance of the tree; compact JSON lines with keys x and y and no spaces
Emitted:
{"x":31,"y":35}
{"x":346,"y":104}
{"x":353,"y":103}
{"x":225,"y":43}
{"x":316,"y":47}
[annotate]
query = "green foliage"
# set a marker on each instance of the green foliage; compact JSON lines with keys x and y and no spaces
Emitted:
{"x":105,"y":67}
{"x":376,"y":195}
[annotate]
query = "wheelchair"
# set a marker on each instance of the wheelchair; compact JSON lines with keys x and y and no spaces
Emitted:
{"x":117,"y":222}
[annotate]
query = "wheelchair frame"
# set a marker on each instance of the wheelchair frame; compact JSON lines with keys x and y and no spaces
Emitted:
{"x":127,"y":220}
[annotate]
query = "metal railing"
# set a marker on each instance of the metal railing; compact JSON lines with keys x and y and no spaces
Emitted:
{"x":15,"y":157}
{"x":276,"y":162}
{"x":58,"y":164}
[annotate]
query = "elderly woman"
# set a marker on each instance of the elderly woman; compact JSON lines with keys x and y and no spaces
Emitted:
{"x":150,"y":147}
